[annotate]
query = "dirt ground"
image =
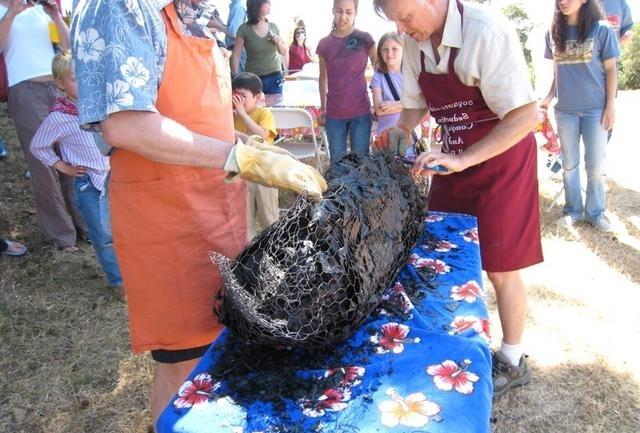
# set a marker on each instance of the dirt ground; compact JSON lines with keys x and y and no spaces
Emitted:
{"x":65,"y":364}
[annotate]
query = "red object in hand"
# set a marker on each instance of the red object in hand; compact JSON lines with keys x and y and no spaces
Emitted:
{"x":546,"y":129}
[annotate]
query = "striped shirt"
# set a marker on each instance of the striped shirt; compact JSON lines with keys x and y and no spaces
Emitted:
{"x":77,"y":147}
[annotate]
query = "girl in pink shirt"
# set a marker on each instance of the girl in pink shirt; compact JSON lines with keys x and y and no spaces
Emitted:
{"x":344,"y":101}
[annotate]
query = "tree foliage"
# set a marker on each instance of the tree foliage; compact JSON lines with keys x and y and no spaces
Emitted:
{"x":630,"y":62}
{"x":516,"y":14}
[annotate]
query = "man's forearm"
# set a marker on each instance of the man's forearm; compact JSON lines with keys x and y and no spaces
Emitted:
{"x":161,"y":139}
{"x":507,"y":133}
{"x":411,"y":117}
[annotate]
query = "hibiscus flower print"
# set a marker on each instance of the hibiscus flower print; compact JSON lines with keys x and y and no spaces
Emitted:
{"x":438,"y":266}
{"x":471,"y":235}
{"x":352,"y":376}
{"x":392,"y":338}
{"x":433,"y":219}
{"x":135,"y":72}
{"x":196,"y":392}
{"x":450,"y":375}
{"x":90,"y":46}
{"x":414,"y":411}
{"x":445,"y":246}
{"x":468,"y":292}
{"x":462,"y":324}
{"x":333,"y":400}
{"x":118,"y":96}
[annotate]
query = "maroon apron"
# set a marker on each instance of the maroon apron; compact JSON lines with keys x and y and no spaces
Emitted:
{"x":501,"y":192}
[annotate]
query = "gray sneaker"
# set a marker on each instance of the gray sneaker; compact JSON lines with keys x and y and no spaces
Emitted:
{"x":602,"y":225}
{"x":506,"y":376}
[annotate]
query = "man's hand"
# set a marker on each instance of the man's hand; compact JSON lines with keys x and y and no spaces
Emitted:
{"x":275,"y":167}
{"x":17,"y":6}
{"x":51,"y":9}
{"x":70,"y":170}
{"x":426,"y":164}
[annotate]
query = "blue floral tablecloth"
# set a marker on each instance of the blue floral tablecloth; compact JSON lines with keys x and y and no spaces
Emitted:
{"x":421,"y":363}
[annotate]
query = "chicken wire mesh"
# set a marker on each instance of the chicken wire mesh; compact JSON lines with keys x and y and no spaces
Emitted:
{"x":312,"y":277}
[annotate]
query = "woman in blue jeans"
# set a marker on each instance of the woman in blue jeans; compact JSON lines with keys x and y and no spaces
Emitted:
{"x":344,"y":101}
{"x":584,"y":50}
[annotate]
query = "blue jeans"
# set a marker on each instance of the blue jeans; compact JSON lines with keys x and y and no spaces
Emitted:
{"x":572,"y":126}
{"x":89,"y":202}
{"x":272,"y":84}
{"x":358,"y":129}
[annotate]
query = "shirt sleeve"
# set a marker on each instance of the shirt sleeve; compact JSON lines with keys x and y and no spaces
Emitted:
{"x":274,"y":28}
{"x":626,"y":21}
{"x":369,"y":41}
{"x":548,"y":51}
{"x":42,"y":142}
{"x":504,"y":79}
{"x":608,"y":43}
{"x":376,"y":80}
{"x":411,"y":94}
{"x":115,"y":59}
{"x":320,"y":48}
{"x":268,"y":122}
{"x":242,"y":31}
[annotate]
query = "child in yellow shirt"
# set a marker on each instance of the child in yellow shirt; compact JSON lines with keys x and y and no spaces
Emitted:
{"x":249,"y":119}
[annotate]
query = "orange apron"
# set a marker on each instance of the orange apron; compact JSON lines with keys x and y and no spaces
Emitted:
{"x":167,"y":217}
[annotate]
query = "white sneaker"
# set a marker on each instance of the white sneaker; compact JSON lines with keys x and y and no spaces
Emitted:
{"x":567,"y":222}
{"x":602,"y":225}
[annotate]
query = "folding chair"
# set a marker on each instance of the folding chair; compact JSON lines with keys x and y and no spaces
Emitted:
{"x":291,"y":118}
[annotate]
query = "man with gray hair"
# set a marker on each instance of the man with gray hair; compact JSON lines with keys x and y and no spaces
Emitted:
{"x":463,"y":64}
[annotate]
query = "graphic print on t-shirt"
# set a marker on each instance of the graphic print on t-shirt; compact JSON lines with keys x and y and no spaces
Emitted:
{"x":575,"y":52}
{"x":614,"y":20}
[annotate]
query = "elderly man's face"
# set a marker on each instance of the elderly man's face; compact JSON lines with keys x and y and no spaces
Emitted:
{"x":416,"y":18}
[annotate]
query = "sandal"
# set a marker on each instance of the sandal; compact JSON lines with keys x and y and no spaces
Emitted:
{"x":15,"y":249}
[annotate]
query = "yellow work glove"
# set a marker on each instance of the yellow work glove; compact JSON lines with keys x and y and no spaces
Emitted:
{"x":273,"y":166}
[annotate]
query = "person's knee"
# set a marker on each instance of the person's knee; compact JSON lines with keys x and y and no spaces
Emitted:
{"x":505,"y":280}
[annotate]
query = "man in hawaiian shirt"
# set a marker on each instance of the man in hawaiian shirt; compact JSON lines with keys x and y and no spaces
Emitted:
{"x":153,"y":80}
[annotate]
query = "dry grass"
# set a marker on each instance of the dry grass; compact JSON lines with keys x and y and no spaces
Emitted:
{"x":65,"y":364}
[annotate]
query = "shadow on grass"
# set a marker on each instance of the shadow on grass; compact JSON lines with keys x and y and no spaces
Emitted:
{"x":556,"y":401}
{"x":621,"y":256}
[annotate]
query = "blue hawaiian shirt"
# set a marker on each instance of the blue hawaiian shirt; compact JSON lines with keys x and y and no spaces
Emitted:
{"x":119,"y":50}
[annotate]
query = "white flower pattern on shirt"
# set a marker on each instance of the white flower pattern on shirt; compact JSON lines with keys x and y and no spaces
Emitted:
{"x":135,"y":72}
{"x":118,"y":96}
{"x":120,"y":47}
{"x":90,"y":46}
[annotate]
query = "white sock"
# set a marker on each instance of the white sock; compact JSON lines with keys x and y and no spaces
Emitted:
{"x":513,"y":352}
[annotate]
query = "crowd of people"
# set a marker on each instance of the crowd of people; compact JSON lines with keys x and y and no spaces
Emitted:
{"x":180,"y":117}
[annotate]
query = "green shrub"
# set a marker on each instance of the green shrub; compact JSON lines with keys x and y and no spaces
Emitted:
{"x":630,"y":62}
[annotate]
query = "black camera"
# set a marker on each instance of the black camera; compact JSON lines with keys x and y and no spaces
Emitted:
{"x":37,"y":2}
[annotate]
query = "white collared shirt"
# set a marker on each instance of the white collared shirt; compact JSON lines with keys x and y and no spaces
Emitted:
{"x":490,"y":57}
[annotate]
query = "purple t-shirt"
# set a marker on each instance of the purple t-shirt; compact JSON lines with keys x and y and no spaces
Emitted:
{"x":346,"y":60}
{"x":388,"y":120}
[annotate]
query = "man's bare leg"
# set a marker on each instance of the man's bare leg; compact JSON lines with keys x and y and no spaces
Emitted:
{"x":511,"y":296}
{"x":167,"y":380}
